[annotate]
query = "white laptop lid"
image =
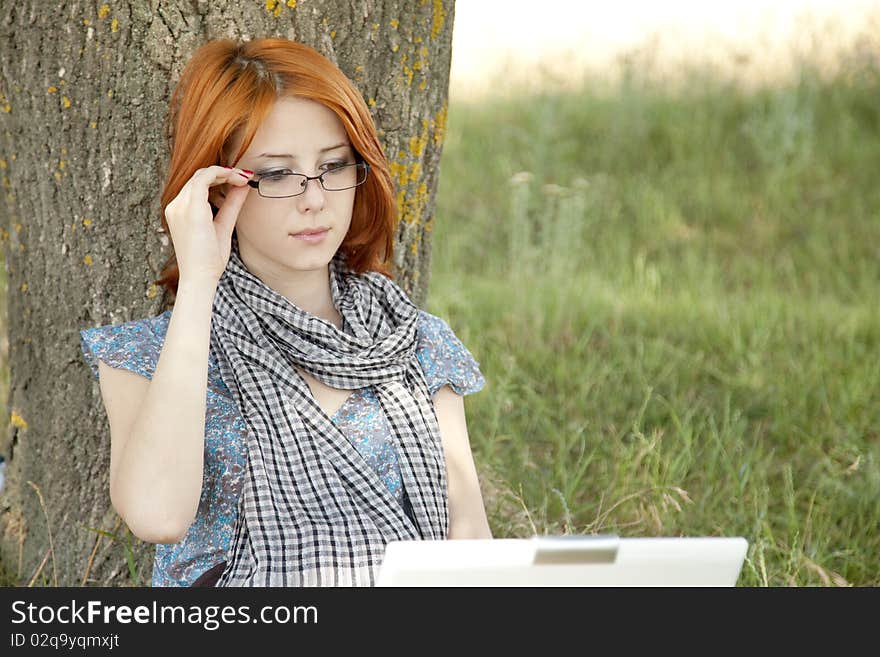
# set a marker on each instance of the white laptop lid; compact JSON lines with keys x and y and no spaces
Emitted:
{"x":604,"y":560}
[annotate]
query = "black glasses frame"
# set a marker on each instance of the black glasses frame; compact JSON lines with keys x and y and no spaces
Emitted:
{"x":320,"y":178}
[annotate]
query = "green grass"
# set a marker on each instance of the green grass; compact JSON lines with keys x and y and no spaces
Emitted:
{"x":672,"y":293}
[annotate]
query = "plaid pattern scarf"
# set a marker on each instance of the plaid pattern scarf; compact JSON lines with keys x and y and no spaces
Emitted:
{"x":312,"y":512}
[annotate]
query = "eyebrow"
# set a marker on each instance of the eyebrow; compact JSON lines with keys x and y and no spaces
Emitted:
{"x":292,"y":157}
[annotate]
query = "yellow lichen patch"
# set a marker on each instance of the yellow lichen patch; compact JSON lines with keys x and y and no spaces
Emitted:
{"x":394,"y":23}
{"x":291,"y":4}
{"x":93,"y":125}
{"x":21,"y":248}
{"x":17,"y":420}
{"x":7,"y":108}
{"x":2,"y":164}
{"x":417,"y":145}
{"x":419,"y":201}
{"x":4,"y":235}
{"x":395,"y":47}
{"x":14,"y":156}
{"x":65,"y":102}
{"x":62,"y":82}
{"x":103,"y":10}
{"x":57,"y":175}
{"x":407,"y":71}
{"x":64,"y":151}
{"x":87,"y":222}
{"x":375,"y":27}
{"x":423,"y":84}
{"x":439,"y":18}
{"x":417,"y":39}
{"x":18,"y":228}
{"x":398,"y":170}
{"x":440,"y":126}
{"x":52,"y":89}
{"x":87,"y":22}
{"x":61,"y":164}
{"x":110,"y":94}
{"x":88,"y":259}
{"x":415,"y":171}
{"x":371,"y":102}
{"x":152,"y":291}
{"x":114,"y":25}
{"x":24,"y":287}
{"x":275,"y":7}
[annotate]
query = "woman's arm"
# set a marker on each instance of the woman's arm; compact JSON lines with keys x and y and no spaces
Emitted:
{"x":157,"y":427}
{"x":467,"y":514}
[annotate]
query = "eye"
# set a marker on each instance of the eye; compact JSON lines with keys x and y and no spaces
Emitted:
{"x":330,"y":166}
{"x":276,"y":174}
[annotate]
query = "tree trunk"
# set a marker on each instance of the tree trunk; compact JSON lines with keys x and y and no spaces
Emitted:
{"x":84,"y":89}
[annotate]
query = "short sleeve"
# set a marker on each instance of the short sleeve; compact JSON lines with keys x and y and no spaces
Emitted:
{"x":134,"y":345}
{"x":444,"y":359}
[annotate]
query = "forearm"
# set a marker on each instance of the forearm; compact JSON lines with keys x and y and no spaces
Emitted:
{"x":158,"y":479}
{"x":469,"y":523}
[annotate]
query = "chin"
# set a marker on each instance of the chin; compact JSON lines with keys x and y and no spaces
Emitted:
{"x":309,"y":261}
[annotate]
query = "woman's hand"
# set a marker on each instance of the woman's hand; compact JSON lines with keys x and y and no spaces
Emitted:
{"x":202,"y":242}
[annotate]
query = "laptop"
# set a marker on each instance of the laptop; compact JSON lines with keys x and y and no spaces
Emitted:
{"x":570,"y":560}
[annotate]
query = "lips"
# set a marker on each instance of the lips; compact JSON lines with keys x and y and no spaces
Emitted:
{"x":312,"y":231}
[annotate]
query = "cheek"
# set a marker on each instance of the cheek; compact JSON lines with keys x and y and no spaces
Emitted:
{"x":345,"y":208}
{"x":255,"y":216}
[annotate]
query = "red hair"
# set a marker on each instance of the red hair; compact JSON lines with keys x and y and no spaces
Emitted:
{"x":229,"y":87}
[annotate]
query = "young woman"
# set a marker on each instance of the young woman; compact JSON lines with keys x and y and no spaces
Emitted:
{"x":294,"y":411}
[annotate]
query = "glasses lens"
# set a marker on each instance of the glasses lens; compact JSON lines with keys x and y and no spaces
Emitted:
{"x":344,"y":177}
{"x":279,"y":185}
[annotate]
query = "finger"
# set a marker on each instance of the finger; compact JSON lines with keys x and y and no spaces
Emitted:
{"x":227,"y":215}
{"x":204,"y":178}
{"x":242,"y":177}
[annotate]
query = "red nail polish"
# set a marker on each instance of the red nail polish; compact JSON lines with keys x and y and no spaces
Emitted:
{"x":226,"y":167}
{"x":248,"y":172}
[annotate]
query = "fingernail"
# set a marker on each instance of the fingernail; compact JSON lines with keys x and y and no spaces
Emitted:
{"x":250,"y":173}
{"x":226,"y":167}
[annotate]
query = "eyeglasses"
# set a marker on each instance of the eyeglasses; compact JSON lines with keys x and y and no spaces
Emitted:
{"x":282,"y":184}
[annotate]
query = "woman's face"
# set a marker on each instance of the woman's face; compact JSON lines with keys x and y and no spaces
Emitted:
{"x":301,"y":136}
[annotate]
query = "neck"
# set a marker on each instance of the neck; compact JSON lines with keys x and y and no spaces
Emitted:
{"x":308,"y":290}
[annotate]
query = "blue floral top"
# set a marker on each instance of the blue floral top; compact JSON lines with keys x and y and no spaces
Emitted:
{"x":136,"y":346}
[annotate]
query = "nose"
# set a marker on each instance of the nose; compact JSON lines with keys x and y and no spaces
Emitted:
{"x":311,"y":200}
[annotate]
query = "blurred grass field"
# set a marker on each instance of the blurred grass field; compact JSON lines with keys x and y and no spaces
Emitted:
{"x":672,"y":292}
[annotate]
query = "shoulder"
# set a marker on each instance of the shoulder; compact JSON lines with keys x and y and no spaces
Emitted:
{"x":445,"y":359}
{"x":134,"y":345}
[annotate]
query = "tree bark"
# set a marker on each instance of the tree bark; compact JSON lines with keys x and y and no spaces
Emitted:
{"x":84,"y":89}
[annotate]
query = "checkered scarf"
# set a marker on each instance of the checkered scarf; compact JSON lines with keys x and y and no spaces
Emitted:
{"x":312,"y":512}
